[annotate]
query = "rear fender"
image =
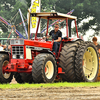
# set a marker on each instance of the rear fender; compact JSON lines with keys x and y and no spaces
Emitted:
{"x":76,"y":39}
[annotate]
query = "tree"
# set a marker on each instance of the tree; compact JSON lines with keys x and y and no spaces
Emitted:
{"x":83,"y":10}
{"x":8,"y":10}
{"x":48,"y":5}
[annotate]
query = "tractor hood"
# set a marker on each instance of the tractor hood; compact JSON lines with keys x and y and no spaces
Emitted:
{"x":32,"y":43}
{"x":38,"y":43}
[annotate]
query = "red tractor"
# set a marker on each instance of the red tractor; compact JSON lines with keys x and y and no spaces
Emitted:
{"x":33,"y":60}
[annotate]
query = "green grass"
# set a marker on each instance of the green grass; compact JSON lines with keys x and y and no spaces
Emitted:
{"x":65,"y":84}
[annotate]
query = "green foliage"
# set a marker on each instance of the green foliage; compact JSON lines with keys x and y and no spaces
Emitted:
{"x":5,"y":35}
{"x":8,"y":10}
{"x":28,"y":3}
{"x":48,"y":5}
{"x":83,"y":10}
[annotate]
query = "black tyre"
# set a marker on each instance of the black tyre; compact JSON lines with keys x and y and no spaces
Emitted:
{"x":18,"y":78}
{"x":67,"y":61}
{"x":23,"y":78}
{"x":27,"y":77}
{"x":87,"y":62}
{"x":4,"y":77}
{"x":44,"y":68}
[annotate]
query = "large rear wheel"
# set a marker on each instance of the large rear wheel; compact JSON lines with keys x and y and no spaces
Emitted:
{"x":18,"y":78}
{"x":44,"y":68}
{"x":23,"y":77}
{"x":27,"y":77}
{"x":67,"y":61}
{"x":87,"y":62}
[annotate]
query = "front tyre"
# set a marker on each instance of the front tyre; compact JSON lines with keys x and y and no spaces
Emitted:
{"x":44,"y":68}
{"x":4,"y":77}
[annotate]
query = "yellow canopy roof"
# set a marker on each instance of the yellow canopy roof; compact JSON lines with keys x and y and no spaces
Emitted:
{"x":53,"y":15}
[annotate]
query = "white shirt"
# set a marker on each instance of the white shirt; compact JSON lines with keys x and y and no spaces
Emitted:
{"x":1,"y":48}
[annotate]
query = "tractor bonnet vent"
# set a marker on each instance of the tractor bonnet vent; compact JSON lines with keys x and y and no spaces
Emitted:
{"x":17,"y":42}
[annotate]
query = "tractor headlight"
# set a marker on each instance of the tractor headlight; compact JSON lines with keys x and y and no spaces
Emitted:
{"x":21,"y":57}
{"x":14,"y":56}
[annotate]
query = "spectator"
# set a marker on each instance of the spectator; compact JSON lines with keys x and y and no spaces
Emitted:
{"x":17,"y":37}
{"x":1,"y":48}
{"x":4,"y":47}
{"x":94,"y":39}
{"x":9,"y":47}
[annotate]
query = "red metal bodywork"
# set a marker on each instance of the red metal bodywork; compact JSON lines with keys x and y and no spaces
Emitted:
{"x":25,"y":65}
{"x":39,"y":43}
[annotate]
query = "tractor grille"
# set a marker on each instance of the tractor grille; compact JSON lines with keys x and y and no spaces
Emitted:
{"x":17,"y":52}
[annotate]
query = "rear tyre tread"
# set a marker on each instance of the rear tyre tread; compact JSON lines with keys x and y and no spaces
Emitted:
{"x":67,"y":61}
{"x":23,"y":78}
{"x":27,"y":77}
{"x":18,"y":78}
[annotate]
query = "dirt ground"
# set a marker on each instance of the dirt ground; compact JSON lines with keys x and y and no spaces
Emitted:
{"x":61,"y":93}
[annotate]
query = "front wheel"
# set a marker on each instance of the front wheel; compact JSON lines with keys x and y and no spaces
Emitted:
{"x":44,"y":68}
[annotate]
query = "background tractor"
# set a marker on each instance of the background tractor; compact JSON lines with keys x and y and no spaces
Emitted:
{"x":33,"y":60}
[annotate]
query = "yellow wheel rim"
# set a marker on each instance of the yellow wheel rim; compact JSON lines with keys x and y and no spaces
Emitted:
{"x":90,"y":63}
{"x":49,"y":69}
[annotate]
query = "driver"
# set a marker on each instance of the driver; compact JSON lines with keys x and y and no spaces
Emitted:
{"x":56,"y":36}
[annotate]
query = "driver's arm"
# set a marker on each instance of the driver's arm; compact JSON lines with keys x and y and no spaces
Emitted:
{"x":58,"y":40}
